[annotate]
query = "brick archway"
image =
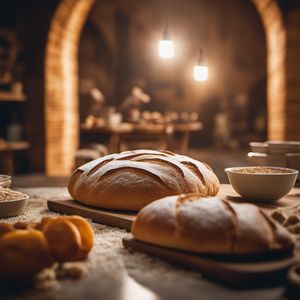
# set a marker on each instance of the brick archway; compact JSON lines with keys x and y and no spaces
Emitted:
{"x":275,"y":31}
{"x":61,"y":84}
{"x":61,"y":95}
{"x":282,"y":29}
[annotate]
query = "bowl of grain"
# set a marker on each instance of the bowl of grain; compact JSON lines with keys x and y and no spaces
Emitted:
{"x":262,"y":183}
{"x":12,"y":203}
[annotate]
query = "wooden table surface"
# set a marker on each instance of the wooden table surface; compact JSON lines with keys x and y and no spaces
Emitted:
{"x":8,"y":149}
{"x":124,"y":129}
{"x":292,"y":198}
{"x":130,"y":276}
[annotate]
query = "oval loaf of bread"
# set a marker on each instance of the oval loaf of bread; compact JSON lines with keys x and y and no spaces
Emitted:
{"x":209,"y":225}
{"x":132,"y":179}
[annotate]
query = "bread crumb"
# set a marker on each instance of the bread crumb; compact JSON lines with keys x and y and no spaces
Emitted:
{"x":71,"y":270}
{"x":292,"y":220}
{"x":279,"y":216}
{"x":289,"y":217}
{"x":294,"y":229}
{"x":46,"y":279}
{"x":23,"y":225}
{"x":46,"y":284}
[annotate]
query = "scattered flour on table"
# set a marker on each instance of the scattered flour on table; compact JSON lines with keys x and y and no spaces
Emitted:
{"x":108,"y":259}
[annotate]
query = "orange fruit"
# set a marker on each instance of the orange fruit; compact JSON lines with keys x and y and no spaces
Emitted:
{"x":63,"y":238}
{"x":86,"y":233}
{"x":23,"y":253}
{"x":4,"y":228}
{"x":44,"y":221}
{"x":23,"y":225}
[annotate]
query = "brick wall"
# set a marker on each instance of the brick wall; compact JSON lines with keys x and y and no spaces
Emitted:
{"x":283,"y":64}
{"x":61,"y":95}
{"x":293,"y":74}
{"x":276,"y":78}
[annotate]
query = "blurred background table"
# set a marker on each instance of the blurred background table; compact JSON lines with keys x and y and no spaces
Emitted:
{"x":114,"y":132}
{"x":183,"y":130}
{"x":7,"y":150}
{"x":159,"y":136}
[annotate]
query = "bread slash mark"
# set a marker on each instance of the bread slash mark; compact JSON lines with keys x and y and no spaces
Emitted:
{"x":135,"y":170}
{"x":195,"y":170}
{"x":164,"y":162}
{"x":235,"y":225}
{"x":93,"y":170}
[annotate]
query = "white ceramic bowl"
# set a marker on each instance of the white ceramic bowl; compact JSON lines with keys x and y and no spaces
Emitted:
{"x":264,"y":159}
{"x":293,"y":162}
{"x":258,"y":147}
{"x":11,"y":208}
{"x":262,"y":186}
{"x":5,"y":181}
{"x":283,"y":147}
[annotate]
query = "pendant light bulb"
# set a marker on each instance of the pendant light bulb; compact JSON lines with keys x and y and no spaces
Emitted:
{"x":200,"y":73}
{"x":166,"y":46}
{"x":201,"y":69}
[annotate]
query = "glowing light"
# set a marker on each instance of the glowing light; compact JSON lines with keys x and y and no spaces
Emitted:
{"x":200,"y":73}
{"x":200,"y":69}
{"x":166,"y":49}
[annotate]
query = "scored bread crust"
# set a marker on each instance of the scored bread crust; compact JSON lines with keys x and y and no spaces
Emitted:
{"x":209,"y":225}
{"x":132,"y":179}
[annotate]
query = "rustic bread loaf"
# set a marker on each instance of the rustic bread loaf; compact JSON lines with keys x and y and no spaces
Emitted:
{"x":132,"y":179}
{"x":209,"y":225}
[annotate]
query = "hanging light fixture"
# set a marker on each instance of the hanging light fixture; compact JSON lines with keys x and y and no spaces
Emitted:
{"x":166,"y":46}
{"x":201,"y":70}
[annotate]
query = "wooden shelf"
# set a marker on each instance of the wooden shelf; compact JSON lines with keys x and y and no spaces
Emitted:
{"x":9,"y":96}
{"x":14,"y":146}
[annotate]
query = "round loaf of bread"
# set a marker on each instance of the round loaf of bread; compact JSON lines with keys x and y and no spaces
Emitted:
{"x":209,"y":225}
{"x":132,"y":179}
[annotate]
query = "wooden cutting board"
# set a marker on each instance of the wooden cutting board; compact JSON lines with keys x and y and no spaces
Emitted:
{"x":242,"y":273}
{"x":121,"y":219}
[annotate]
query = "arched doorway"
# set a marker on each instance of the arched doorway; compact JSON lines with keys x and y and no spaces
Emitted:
{"x":276,"y":52}
{"x":61,"y":97}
